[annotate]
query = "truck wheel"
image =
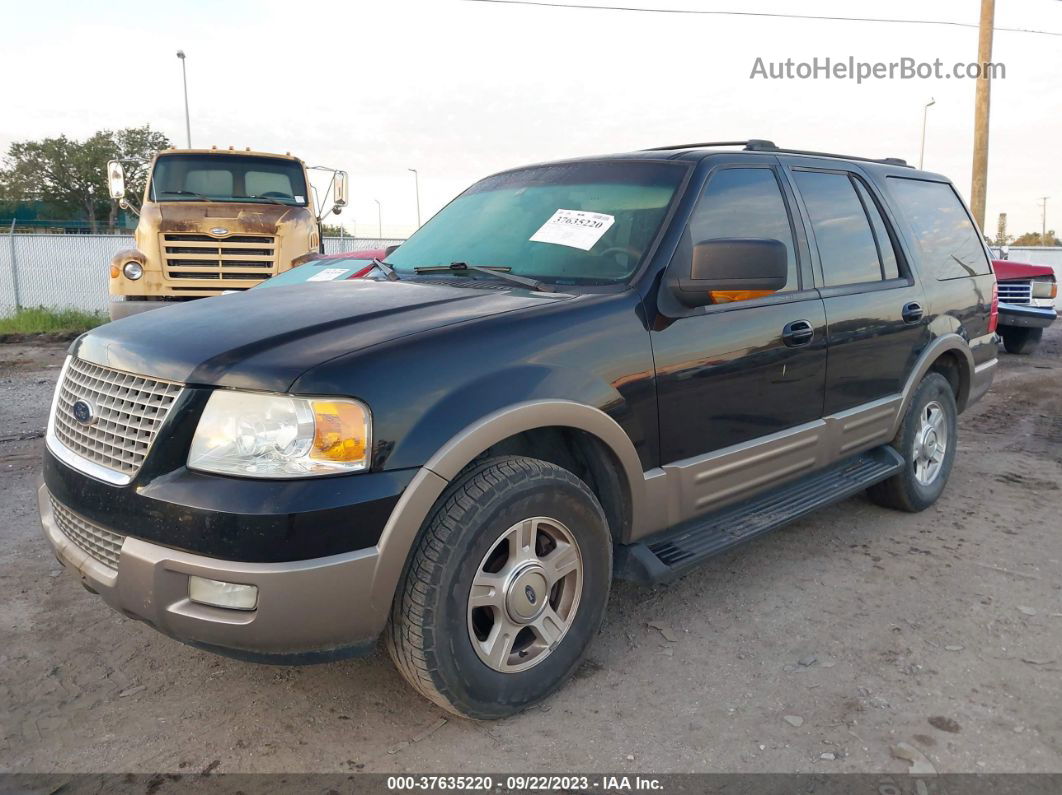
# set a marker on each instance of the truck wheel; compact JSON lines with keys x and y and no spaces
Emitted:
{"x":1022,"y":341}
{"x":927,"y":440}
{"x":505,"y":589}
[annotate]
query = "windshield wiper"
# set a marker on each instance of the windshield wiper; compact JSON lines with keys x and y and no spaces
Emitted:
{"x":199,"y":196}
{"x":501,"y":271}
{"x":269,"y":199}
{"x":388,"y":271}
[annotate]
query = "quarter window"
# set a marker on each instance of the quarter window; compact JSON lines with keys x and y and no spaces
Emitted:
{"x":745,"y":202}
{"x":949,"y":242}
{"x":846,"y":244}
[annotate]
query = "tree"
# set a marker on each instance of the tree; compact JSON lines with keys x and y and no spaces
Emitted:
{"x":335,"y":230}
{"x":1036,"y":239}
{"x":71,"y":175}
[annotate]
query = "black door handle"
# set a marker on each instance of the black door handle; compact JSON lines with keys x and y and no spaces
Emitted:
{"x":912,"y":312}
{"x":797,"y":333}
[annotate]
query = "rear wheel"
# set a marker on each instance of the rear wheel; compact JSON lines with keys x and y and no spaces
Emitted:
{"x":927,"y":440}
{"x":505,"y":590}
{"x":1022,"y":341}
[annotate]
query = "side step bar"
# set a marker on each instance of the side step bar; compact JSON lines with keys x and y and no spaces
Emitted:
{"x":673,"y":552}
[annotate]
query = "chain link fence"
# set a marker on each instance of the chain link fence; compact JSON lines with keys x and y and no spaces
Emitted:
{"x":71,"y":271}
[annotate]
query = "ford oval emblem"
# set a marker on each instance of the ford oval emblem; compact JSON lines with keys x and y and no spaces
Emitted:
{"x":219,"y":231}
{"x":529,"y":592}
{"x":83,"y":412}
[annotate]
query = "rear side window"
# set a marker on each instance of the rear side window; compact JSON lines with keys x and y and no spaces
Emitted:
{"x":847,"y":247}
{"x":886,"y":250}
{"x":745,"y":202}
{"x":950,"y":245}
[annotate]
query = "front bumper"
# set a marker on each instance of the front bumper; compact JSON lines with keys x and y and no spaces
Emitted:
{"x":307,"y":611}
{"x":1026,"y":316}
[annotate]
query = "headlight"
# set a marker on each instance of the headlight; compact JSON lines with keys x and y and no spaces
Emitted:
{"x":133,"y":270}
{"x":1044,"y":289}
{"x":278,"y":436}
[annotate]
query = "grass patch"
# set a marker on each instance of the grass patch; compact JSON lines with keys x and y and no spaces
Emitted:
{"x":50,"y":321}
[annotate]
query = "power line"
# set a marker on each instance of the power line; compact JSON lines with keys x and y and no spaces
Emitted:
{"x":713,"y":12}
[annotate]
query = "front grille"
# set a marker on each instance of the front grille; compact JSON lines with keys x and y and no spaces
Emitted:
{"x":1015,"y":292}
{"x":128,"y":411}
{"x":96,"y":541}
{"x":246,"y":259}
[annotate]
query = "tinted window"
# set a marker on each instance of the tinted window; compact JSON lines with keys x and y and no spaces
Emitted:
{"x":842,"y":232}
{"x":744,"y":202}
{"x":947,"y":239}
{"x":887,"y":252}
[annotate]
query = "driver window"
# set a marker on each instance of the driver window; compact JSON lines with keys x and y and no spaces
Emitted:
{"x":745,"y":202}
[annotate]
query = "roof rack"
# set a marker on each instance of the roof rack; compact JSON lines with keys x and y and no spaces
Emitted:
{"x":752,"y":145}
{"x":761,"y":145}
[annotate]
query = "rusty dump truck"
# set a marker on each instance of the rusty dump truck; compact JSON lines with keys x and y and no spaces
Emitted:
{"x":213,"y":221}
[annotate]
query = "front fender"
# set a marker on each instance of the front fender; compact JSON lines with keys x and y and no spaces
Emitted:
{"x":129,"y":255}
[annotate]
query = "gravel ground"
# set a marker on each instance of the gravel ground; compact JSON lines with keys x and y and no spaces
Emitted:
{"x":816,"y":649}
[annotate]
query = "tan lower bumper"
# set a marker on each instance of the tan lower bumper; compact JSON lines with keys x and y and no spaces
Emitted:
{"x":305,"y":607}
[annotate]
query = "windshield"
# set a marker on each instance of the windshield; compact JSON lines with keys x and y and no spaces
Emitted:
{"x":570,"y":223}
{"x":228,"y":178}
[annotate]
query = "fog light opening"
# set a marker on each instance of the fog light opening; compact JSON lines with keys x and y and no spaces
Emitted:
{"x":216,"y":593}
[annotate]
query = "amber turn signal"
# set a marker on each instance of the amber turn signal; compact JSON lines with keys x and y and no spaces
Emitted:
{"x":341,"y":431}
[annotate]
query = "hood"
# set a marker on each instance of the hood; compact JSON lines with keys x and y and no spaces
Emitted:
{"x":254,"y":218}
{"x":265,"y":339}
{"x":1006,"y":270}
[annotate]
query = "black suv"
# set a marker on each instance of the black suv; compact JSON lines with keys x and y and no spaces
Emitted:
{"x":614,"y":366}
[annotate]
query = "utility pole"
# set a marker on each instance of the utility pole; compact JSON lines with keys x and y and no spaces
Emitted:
{"x":1001,"y":230}
{"x":1043,"y":220}
{"x":979,"y":187}
{"x":379,"y":219}
{"x":187,"y":122}
{"x":925,"y":115}
{"x":416,"y":182}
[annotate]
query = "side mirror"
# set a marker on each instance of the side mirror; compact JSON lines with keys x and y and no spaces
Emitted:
{"x":116,"y":179}
{"x":390,"y":250}
{"x":340,"y":191}
{"x":728,"y":265}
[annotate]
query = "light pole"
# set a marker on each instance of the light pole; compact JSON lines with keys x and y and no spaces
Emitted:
{"x":925,"y":114}
{"x":416,"y":182}
{"x":379,"y":219}
{"x":1043,"y":220}
{"x":187,"y":122}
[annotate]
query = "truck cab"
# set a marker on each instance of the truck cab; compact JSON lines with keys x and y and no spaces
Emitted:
{"x":214,"y":221}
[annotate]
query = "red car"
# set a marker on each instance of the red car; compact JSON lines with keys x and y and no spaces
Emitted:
{"x":1026,"y":303}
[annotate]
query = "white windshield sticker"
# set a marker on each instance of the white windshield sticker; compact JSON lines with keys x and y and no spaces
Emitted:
{"x":300,"y":199}
{"x":329,"y":275}
{"x":574,"y":228}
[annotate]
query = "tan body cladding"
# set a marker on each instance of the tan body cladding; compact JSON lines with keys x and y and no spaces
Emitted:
{"x":212,"y":221}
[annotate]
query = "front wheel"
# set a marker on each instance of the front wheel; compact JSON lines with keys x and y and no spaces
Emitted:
{"x":926,"y":439}
{"x":505,"y":590}
{"x":1021,"y":341}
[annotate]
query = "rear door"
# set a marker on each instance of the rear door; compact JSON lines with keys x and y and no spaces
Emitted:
{"x":876,"y":314}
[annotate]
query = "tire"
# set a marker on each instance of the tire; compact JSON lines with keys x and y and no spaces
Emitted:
{"x":480,"y":529}
{"x":919,"y":485}
{"x":1020,"y":341}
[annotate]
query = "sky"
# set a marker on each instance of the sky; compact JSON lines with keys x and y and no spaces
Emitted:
{"x":459,"y":90}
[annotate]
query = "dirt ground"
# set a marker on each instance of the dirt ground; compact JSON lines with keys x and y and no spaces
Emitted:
{"x":816,"y":649}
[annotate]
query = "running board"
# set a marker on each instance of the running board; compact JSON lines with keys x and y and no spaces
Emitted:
{"x":673,"y":552}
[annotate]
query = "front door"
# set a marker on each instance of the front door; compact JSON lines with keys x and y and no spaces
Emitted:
{"x":739,"y":373}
